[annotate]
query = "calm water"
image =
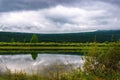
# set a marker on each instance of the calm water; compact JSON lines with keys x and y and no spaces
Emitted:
{"x":41,"y":63}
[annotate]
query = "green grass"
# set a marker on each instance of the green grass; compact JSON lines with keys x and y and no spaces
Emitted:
{"x":51,"y":47}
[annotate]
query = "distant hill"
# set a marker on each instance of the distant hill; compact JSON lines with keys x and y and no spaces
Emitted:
{"x":99,"y":36}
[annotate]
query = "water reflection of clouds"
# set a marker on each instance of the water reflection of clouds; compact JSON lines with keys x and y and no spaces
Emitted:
{"x":25,"y":62}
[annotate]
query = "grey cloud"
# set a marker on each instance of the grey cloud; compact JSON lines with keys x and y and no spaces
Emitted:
{"x":8,"y":5}
{"x":13,"y":5}
{"x":59,"y":16}
{"x":116,"y":2}
{"x":61,"y":19}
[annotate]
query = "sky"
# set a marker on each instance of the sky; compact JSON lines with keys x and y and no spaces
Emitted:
{"x":59,"y":16}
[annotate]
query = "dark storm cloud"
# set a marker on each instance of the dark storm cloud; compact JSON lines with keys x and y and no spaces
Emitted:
{"x":116,"y":2}
{"x":11,"y":5}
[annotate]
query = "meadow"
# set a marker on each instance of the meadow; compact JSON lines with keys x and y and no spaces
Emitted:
{"x":52,"y":47}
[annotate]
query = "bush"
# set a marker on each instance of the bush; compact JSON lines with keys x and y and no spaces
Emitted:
{"x":104,"y":64}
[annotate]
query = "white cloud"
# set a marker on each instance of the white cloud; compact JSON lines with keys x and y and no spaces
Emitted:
{"x":61,"y":19}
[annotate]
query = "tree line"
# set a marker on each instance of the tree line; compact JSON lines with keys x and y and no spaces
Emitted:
{"x":98,"y":36}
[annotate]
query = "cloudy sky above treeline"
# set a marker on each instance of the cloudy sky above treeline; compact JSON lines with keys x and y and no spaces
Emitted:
{"x":59,"y":16}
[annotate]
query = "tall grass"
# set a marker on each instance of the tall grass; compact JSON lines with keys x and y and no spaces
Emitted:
{"x":104,"y":64}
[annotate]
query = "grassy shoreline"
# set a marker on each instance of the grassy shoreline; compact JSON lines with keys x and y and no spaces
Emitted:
{"x":52,"y":47}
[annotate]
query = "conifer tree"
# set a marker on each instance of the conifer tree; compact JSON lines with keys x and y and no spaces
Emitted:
{"x":34,"y":39}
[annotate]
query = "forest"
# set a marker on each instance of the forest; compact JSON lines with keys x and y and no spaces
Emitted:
{"x":98,"y":36}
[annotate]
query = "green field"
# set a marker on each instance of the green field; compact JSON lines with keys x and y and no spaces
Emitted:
{"x":53,"y":47}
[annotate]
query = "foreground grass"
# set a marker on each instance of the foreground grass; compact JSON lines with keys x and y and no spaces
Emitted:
{"x":76,"y":74}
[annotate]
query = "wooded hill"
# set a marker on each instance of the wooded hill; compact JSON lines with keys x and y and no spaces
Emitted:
{"x":98,"y":36}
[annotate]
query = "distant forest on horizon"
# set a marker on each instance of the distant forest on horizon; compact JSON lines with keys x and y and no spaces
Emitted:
{"x":98,"y":36}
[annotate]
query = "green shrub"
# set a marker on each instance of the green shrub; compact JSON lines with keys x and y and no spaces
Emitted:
{"x":104,"y":64}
